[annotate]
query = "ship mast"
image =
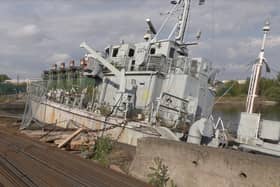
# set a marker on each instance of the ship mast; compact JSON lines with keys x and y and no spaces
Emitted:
{"x":181,"y":25}
{"x":256,"y":74}
{"x":183,"y":20}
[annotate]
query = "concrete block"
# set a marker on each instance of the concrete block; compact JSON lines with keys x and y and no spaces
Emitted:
{"x":270,"y":130}
{"x":201,"y":166}
{"x":248,"y":126}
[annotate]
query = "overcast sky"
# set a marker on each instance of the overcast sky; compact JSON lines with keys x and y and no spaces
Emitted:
{"x":37,"y":33}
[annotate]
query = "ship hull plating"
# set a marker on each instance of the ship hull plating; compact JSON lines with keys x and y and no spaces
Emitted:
{"x":67,"y":117}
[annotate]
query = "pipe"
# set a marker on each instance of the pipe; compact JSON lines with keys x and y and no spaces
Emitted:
{"x":151,"y":26}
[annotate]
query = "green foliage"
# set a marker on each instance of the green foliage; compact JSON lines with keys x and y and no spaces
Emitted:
{"x":244,"y":87}
{"x":236,"y":90}
{"x":268,"y":88}
{"x":104,"y":110}
{"x":159,"y":174}
{"x":4,"y":77}
{"x":103,"y":146}
{"x":273,"y":93}
{"x":9,"y":88}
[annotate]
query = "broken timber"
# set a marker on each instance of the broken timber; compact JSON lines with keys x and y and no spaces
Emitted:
{"x":70,"y":137}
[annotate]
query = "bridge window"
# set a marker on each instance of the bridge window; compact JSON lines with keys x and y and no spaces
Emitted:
{"x":131,"y":52}
{"x":115,"y":52}
{"x":171,"y":52}
{"x":153,"y":51}
{"x":132,"y":65}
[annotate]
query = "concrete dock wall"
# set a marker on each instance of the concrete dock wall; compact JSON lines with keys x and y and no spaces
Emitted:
{"x":200,"y":166}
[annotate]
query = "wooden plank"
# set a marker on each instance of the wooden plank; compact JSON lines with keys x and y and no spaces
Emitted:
{"x":67,"y":140}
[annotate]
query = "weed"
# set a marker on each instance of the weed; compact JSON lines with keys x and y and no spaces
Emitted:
{"x":159,"y":174}
{"x":104,"y":110}
{"x":103,"y":147}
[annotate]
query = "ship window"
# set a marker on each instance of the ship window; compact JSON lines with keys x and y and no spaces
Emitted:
{"x":115,"y":52}
{"x":153,"y":51}
{"x":107,"y":52}
{"x":171,"y":52}
{"x":194,"y":67}
{"x":132,"y":65}
{"x":131,"y":52}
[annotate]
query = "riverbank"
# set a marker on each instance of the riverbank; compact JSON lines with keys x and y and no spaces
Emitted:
{"x":241,"y":100}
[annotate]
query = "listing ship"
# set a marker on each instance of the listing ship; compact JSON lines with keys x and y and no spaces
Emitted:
{"x":131,"y":90}
{"x":152,"y":88}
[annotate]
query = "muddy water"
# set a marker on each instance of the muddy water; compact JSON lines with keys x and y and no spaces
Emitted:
{"x":231,"y":114}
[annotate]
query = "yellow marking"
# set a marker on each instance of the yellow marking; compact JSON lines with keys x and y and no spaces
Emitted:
{"x":145,"y":96}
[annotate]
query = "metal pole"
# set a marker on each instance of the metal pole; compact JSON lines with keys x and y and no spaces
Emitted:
{"x":183,"y":21}
{"x":252,"y":92}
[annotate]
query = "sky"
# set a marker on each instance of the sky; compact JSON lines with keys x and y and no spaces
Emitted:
{"x":37,"y":33}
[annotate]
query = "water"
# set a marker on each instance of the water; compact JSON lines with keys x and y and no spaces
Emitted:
{"x":230,"y":114}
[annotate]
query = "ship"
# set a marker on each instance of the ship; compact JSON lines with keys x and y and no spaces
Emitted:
{"x":131,"y":90}
{"x":153,"y":88}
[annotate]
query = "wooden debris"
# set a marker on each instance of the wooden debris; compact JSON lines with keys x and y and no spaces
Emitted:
{"x":80,"y":144}
{"x":50,"y":139}
{"x":116,"y":168}
{"x":67,"y":140}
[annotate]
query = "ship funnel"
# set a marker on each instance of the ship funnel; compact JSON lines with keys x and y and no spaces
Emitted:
{"x":54,"y":67}
{"x":151,"y":26}
{"x":83,"y":62}
{"x":62,"y":65}
{"x":72,"y":64}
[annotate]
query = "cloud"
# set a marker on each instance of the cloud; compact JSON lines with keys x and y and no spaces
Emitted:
{"x":251,"y":45}
{"x":35,"y":34}
{"x":58,"y":58}
{"x":26,"y":31}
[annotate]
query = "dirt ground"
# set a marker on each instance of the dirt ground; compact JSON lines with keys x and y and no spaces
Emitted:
{"x":28,"y":162}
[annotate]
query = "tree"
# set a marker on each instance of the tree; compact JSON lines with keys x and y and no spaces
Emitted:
{"x":268,"y":88}
{"x":273,"y":93}
{"x":4,"y":77}
{"x":231,"y":88}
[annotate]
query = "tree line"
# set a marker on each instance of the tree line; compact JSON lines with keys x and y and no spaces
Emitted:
{"x":268,"y":88}
{"x":9,"y":88}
